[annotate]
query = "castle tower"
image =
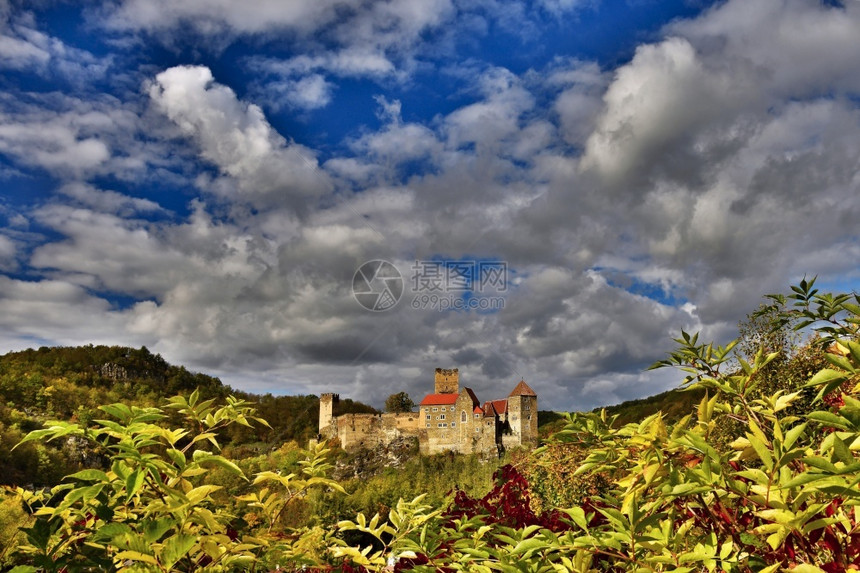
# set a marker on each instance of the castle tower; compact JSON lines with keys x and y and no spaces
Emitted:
{"x":447,"y":381}
{"x":522,"y":414}
{"x":327,"y":404}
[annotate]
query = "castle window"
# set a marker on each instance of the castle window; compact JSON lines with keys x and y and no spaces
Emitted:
{"x":428,"y":425}
{"x":439,"y":425}
{"x":435,"y":409}
{"x":444,"y":425}
{"x":463,"y":416}
{"x":428,"y":416}
{"x":530,"y":417}
{"x":513,"y":418}
{"x":453,"y":424}
{"x":442,"y":416}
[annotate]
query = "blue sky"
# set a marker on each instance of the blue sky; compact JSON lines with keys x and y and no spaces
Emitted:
{"x":204,"y":178}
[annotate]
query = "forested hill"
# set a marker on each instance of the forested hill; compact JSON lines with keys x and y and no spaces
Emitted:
{"x":59,"y":379}
{"x":70,"y":383}
{"x":674,"y":404}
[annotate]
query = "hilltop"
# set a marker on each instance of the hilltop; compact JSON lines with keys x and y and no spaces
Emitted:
{"x":69,"y":383}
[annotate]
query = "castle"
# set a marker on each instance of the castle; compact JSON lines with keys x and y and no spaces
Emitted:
{"x":449,"y":419}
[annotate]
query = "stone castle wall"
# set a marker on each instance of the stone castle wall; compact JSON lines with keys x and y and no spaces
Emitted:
{"x":355,"y":431}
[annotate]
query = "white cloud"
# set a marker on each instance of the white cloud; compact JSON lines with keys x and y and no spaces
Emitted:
{"x":562,"y":8}
{"x":215,"y":17}
{"x":580,"y":102}
{"x":497,"y":117}
{"x":236,"y":137}
{"x":356,"y":62}
{"x":57,"y":142}
{"x":23,"y":47}
{"x":368,"y":38}
{"x":397,"y":142}
{"x":76,"y":137}
{"x":663,"y":95}
{"x":57,"y":312}
{"x":109,"y":201}
{"x":798,"y":49}
{"x":733,"y":64}
{"x":309,"y":92}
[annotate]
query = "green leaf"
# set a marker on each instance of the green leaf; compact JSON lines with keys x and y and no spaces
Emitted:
{"x":110,"y":530}
{"x":200,"y":493}
{"x":35,"y":435}
{"x":854,"y":347}
{"x":781,"y":516}
{"x":777,"y":538}
{"x":175,"y":549}
{"x":136,"y":556}
{"x":528,"y":546}
{"x":154,"y":529}
{"x":803,"y":479}
{"x":202,"y":457}
{"x":841,"y":451}
{"x":177,"y":457}
{"x":821,"y":464}
{"x":792,"y":435}
{"x":761,"y":450}
{"x":829,"y":419}
{"x":839,"y":362}
{"x":577,"y":515}
{"x":826,"y":375}
{"x":90,"y":475}
{"x":133,"y":483}
{"x":117,"y":410}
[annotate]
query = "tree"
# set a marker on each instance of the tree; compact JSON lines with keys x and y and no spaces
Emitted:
{"x":400,"y":402}
{"x":766,"y":329}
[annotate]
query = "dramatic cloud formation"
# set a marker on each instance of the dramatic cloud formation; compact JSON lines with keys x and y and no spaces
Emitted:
{"x":206,"y":178}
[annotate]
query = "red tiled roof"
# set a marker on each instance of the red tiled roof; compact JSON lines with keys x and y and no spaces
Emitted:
{"x":487,"y":409}
{"x":439,"y":400}
{"x":501,"y":406}
{"x":522,"y":389}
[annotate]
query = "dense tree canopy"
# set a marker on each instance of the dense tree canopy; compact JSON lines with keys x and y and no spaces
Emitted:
{"x":399,"y":402}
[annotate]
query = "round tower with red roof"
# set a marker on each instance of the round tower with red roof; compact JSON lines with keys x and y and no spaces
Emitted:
{"x":522,"y":414}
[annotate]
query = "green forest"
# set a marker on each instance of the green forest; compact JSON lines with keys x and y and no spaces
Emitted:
{"x":751,"y":465}
{"x":71,"y":383}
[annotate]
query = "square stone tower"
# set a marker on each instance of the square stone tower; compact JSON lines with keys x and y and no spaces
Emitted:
{"x":447,"y":381}
{"x":327,"y":404}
